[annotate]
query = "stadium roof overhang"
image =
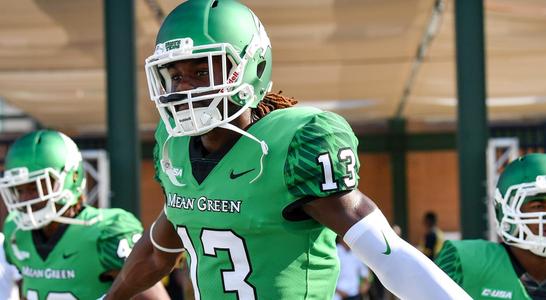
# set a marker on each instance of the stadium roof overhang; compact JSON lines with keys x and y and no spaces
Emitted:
{"x":354,"y":57}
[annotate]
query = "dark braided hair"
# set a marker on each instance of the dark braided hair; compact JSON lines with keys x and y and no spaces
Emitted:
{"x":271,"y":102}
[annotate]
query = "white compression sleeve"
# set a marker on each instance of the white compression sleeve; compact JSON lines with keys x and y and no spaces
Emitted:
{"x":403,"y":270}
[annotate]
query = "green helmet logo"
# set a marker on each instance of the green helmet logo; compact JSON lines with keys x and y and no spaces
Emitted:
{"x":43,"y":177}
{"x":216,"y":31}
{"x":522,"y":181}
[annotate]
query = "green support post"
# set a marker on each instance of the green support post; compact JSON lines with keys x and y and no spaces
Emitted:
{"x":123,"y":140}
{"x":472,"y":129}
{"x":397,"y":128}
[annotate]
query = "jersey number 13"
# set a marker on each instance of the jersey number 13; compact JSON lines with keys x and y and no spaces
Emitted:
{"x":234,"y":280}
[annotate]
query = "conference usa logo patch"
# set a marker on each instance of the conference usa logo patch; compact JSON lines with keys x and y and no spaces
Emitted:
{"x":499,"y":294}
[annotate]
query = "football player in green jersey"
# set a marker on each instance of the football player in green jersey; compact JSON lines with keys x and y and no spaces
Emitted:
{"x":62,"y":248}
{"x":515,"y":268}
{"x":255,"y":194}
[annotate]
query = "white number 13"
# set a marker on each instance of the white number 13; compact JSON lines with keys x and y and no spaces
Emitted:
{"x":345,"y":155}
{"x":233,"y":280}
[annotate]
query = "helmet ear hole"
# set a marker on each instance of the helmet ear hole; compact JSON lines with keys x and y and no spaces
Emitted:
{"x":260,"y":68}
{"x":214,"y":4}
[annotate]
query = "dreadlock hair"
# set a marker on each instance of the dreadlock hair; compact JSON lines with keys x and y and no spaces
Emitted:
{"x":271,"y":102}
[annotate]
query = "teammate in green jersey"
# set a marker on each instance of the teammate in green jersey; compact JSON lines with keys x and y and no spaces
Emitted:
{"x":255,"y":193}
{"x":62,"y":248}
{"x":515,"y":268}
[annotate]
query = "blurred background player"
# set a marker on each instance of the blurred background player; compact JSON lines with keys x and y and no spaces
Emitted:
{"x":9,"y":277}
{"x":516,"y":267}
{"x":62,"y":247}
{"x":354,"y":278}
{"x":433,"y":240}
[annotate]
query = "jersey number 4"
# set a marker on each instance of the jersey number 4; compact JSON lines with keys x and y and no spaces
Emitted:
{"x":234,"y":280}
{"x":344,"y":155}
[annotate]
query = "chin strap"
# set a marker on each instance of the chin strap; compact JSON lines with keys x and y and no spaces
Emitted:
{"x":73,"y":221}
{"x":263,"y":144}
{"x":51,"y":208}
{"x":173,"y":173}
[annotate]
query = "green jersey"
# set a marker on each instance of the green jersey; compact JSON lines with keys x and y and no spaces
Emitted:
{"x":251,"y":240}
{"x":73,"y":267}
{"x":482,"y":268}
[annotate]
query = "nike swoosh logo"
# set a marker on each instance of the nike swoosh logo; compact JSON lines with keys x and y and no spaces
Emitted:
{"x":237,"y":175}
{"x":388,"y":251}
{"x":66,"y":256}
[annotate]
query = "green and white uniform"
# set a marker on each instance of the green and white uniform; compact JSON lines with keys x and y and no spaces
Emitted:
{"x":482,"y":268}
{"x":73,"y":267}
{"x":247,"y":240}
